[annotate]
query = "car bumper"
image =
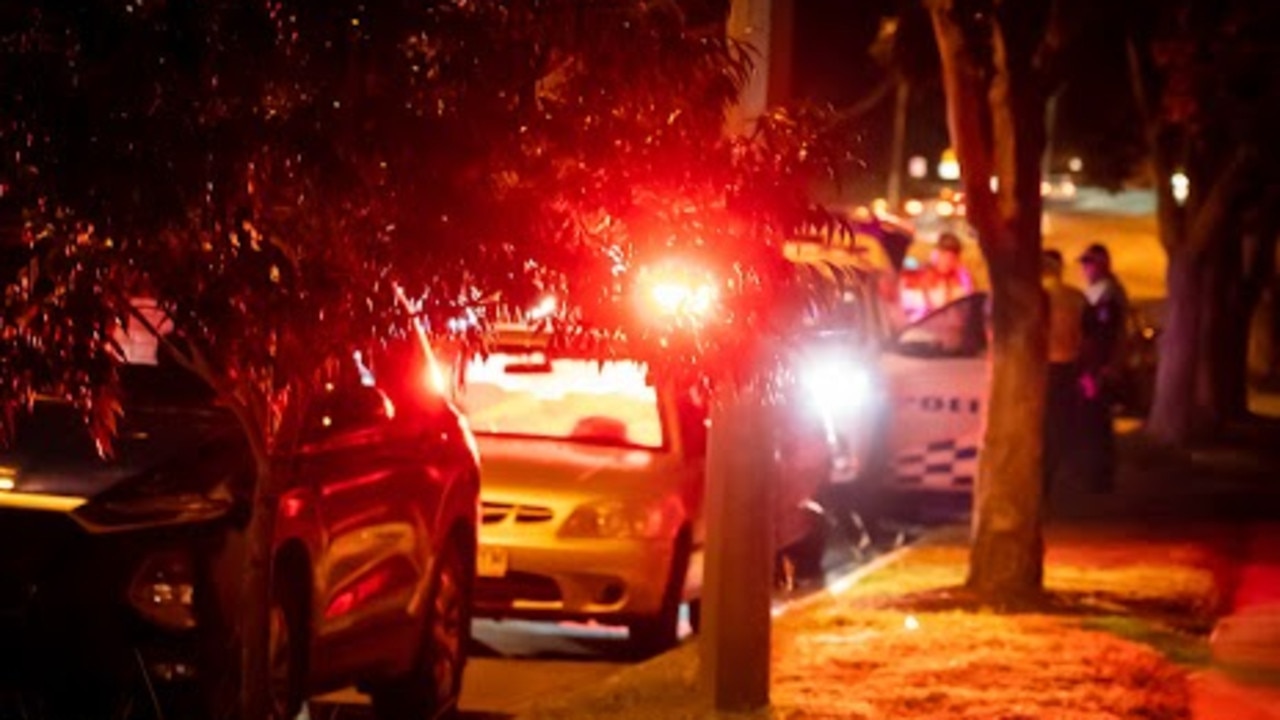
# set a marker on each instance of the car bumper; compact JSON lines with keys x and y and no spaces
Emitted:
{"x":612,"y":581}
{"x":65,"y":620}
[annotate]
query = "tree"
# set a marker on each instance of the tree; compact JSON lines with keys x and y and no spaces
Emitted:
{"x":278,"y":175}
{"x":1205,"y":77}
{"x":997,"y":59}
{"x":217,"y":159}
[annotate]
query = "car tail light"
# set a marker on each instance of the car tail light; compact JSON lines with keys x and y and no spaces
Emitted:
{"x":163,"y":590}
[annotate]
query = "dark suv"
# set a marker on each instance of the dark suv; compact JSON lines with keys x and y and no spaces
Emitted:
{"x":119,"y":579}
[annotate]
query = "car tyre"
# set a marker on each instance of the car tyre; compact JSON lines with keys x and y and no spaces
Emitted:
{"x":431,"y":689}
{"x":286,"y":652}
{"x":661,"y":632}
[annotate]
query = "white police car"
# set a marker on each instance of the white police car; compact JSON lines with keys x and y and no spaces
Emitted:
{"x":936,"y":376}
{"x":920,"y":425}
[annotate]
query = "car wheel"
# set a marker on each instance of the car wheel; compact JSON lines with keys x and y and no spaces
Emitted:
{"x":657,"y":634}
{"x":432,"y":688}
{"x":284,"y":653}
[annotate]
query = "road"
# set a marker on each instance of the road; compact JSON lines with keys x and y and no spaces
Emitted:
{"x":513,"y":665}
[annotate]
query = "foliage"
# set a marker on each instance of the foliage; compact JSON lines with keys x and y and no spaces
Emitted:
{"x":288,"y":179}
{"x":272,"y":170}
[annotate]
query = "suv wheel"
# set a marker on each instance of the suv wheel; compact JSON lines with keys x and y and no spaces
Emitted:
{"x":284,"y":648}
{"x":431,"y":690}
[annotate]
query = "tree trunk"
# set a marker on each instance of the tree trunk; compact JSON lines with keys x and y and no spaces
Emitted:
{"x":898,"y":153}
{"x":1197,"y":291}
{"x":1226,"y":308}
{"x":1246,"y":269}
{"x":1006,"y":561}
{"x":996,"y":114}
{"x":1213,"y":301}
{"x":1231,"y":366}
{"x":1264,"y":335}
{"x":1173,"y":408}
{"x":255,"y":599}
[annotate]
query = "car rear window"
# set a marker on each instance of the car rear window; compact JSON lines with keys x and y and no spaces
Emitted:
{"x":604,"y":403}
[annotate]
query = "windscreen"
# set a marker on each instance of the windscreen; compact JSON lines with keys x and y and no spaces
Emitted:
{"x":562,"y":399}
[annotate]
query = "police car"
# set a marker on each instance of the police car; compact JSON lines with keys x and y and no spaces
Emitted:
{"x":937,"y":379}
{"x":925,"y":382}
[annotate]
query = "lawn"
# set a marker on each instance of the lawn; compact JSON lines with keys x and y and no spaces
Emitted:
{"x":1120,"y":628}
{"x":1122,"y":618}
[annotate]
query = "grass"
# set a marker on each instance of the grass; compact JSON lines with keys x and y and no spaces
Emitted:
{"x":956,"y":664}
{"x":1120,"y":627}
{"x":1121,"y":620}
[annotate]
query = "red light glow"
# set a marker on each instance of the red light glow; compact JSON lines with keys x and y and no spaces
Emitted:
{"x":676,"y":290}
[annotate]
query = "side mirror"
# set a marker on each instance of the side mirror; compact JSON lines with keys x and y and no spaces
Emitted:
{"x":347,"y":409}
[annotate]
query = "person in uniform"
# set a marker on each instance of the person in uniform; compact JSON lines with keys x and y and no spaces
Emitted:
{"x":1067,"y":308}
{"x":1101,"y":364}
{"x":944,"y":281}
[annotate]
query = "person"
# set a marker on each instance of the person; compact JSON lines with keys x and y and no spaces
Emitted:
{"x":1067,"y":307}
{"x":945,"y":280}
{"x":1101,"y":363}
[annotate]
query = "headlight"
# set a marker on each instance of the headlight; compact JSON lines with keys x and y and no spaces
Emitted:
{"x":836,"y":388}
{"x":616,"y":519}
{"x":163,"y":590}
{"x":159,"y":500}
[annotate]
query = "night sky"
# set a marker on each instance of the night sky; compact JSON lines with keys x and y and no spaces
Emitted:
{"x":1096,"y":117}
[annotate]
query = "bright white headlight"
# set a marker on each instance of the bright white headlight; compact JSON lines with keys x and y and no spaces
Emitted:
{"x":836,"y":387}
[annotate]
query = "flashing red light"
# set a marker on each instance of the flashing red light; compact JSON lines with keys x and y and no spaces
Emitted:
{"x":677,"y":290}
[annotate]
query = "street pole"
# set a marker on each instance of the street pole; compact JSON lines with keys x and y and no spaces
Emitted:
{"x":741,"y":470}
{"x":739,"y":559}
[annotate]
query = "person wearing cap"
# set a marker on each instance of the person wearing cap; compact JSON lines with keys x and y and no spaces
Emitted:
{"x":1067,"y":308}
{"x":944,"y":281}
{"x":1101,"y":363}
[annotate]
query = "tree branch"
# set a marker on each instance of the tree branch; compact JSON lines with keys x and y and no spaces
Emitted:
{"x":966,"y":109}
{"x":1218,"y":204}
{"x":1050,"y":57}
{"x":869,"y":102}
{"x":1004,"y":124}
{"x":195,"y":362}
{"x":1138,"y":85}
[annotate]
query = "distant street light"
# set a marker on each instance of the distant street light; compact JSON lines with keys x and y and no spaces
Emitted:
{"x":948,"y":165}
{"x":1181,"y":186}
{"x":1075,"y":164}
{"x":918,"y":167}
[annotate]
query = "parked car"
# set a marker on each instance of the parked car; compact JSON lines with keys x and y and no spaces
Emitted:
{"x":937,"y":376}
{"x":938,"y":379}
{"x":119,"y":579}
{"x":592,"y":491}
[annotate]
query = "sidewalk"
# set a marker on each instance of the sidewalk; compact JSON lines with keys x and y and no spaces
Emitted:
{"x":1157,"y":606}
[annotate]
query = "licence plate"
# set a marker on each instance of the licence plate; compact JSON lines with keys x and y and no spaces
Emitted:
{"x":492,"y":562}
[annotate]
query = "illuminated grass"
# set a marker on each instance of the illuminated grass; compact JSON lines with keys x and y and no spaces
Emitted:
{"x":1116,"y":633}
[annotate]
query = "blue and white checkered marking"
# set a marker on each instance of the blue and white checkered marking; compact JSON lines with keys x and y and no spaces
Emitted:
{"x":943,"y":464}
